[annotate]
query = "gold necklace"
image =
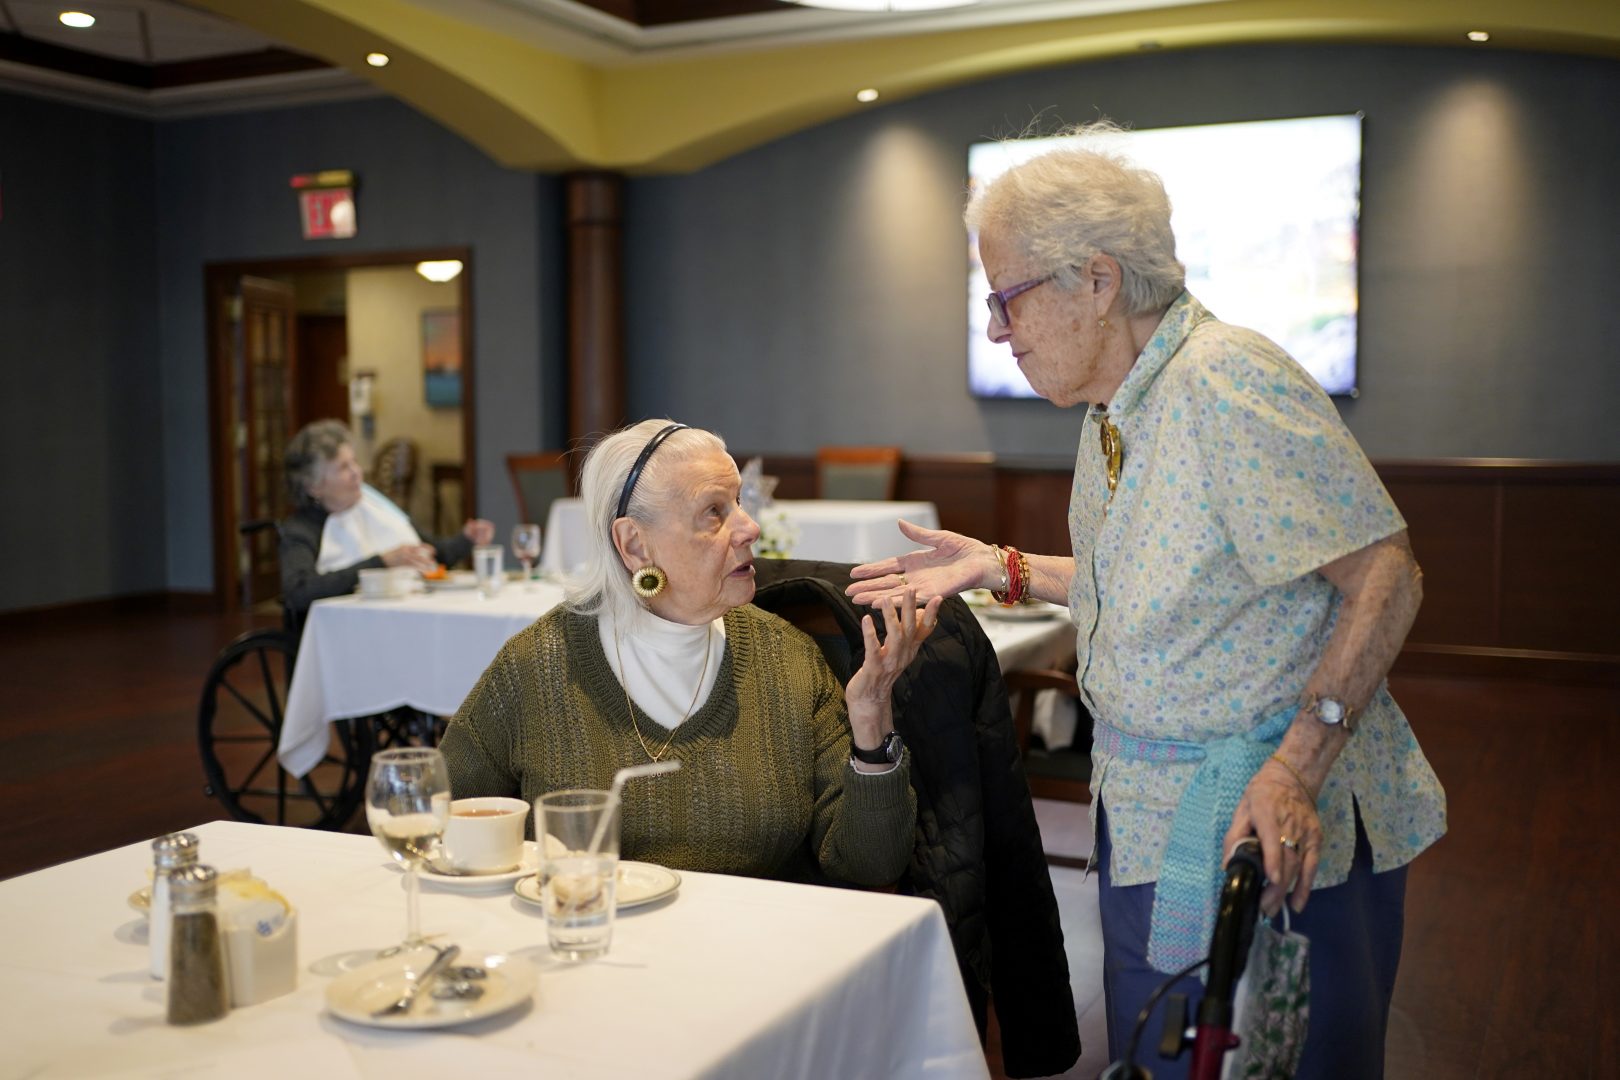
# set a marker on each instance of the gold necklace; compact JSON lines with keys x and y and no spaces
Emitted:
{"x":624,"y":682}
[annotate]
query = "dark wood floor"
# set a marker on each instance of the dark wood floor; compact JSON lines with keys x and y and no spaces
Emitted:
{"x":1511,"y":919}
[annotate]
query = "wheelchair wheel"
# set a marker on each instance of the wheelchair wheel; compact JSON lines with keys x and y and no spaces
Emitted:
{"x":239,"y":728}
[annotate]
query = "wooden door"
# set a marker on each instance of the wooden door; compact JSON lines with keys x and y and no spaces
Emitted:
{"x":323,"y":368}
{"x":264,"y":364}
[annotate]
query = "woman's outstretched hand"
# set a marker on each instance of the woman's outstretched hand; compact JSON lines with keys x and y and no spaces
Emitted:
{"x":947,"y":564}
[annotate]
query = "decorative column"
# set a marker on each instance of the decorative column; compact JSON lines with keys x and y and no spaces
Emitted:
{"x":595,"y":216}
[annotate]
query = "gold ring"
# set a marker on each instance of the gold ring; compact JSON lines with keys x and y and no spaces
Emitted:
{"x":903,"y":580}
{"x":1291,"y":845}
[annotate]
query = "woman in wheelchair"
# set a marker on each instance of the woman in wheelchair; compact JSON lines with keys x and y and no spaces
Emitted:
{"x":659,"y":654}
{"x":340,"y":525}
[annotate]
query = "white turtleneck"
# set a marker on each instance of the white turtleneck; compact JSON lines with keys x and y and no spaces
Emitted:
{"x":665,"y":661}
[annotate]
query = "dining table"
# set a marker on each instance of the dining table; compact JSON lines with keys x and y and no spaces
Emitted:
{"x":362,"y":657}
{"x":727,"y":977}
{"x":829,"y":530}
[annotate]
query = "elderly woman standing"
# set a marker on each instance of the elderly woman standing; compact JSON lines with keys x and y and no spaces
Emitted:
{"x":340,"y":525}
{"x":659,"y":654}
{"x":1240,"y":582}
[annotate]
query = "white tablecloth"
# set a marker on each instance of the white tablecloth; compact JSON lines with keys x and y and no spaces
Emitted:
{"x":833,"y":530}
{"x":1036,"y":645}
{"x":362,"y":657}
{"x":733,"y":978}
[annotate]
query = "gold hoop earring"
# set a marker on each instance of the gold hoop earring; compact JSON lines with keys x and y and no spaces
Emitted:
{"x":648,"y":582}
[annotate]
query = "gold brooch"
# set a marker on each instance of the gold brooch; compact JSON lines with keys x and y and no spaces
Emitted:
{"x":1113,"y":452}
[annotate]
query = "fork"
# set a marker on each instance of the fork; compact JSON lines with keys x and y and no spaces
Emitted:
{"x":418,"y":984}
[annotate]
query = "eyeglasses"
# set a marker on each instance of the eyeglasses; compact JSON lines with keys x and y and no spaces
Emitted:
{"x":998,"y":301}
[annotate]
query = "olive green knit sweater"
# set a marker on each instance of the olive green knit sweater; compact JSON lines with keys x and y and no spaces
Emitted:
{"x":765,"y":786}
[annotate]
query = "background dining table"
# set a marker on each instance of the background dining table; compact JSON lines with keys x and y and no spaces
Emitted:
{"x":732,"y":977}
{"x":361,"y":657}
{"x":828,"y":530}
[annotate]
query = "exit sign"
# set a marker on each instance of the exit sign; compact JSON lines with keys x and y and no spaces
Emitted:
{"x":326,"y":204}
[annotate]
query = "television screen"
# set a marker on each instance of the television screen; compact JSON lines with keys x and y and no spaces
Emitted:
{"x":1265,"y":215}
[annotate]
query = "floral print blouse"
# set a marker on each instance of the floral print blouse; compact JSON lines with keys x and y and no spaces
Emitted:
{"x":1195,"y":596}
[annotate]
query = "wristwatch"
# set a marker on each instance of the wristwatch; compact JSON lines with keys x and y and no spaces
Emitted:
{"x":1330,"y":710}
{"x":886,"y":752}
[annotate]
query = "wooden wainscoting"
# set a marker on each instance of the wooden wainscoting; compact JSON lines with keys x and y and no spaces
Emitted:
{"x":1518,"y":556}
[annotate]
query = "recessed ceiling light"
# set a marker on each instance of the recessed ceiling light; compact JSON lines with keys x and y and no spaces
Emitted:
{"x":439,"y":270}
{"x":866,"y":96}
{"x":1479,"y":35}
{"x":377,"y":59}
{"x":79,"y":20}
{"x":883,"y":5}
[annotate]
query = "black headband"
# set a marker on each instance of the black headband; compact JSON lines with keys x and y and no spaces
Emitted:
{"x":641,"y":463}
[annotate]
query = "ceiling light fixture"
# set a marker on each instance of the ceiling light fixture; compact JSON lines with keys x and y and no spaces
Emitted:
{"x":439,"y":270}
{"x":1479,"y":35}
{"x":883,"y":5}
{"x":867,"y":96}
{"x":377,"y":59}
{"x":79,"y":20}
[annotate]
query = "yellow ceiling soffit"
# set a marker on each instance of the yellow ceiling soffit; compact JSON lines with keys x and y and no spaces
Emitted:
{"x":529,"y":108}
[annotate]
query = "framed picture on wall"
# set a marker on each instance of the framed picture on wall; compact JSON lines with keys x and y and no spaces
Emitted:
{"x":441,"y":358}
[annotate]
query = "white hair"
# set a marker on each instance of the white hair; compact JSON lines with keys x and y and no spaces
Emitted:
{"x":1072,"y":203}
{"x":604,"y":583}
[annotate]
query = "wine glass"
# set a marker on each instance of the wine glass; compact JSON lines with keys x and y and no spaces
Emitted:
{"x":407,"y":807}
{"x":526,"y":546}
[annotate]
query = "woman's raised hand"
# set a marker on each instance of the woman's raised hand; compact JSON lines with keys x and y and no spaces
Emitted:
{"x":948,"y":564}
{"x":906,"y":627}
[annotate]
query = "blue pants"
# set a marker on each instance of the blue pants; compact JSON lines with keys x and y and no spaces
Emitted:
{"x":1355,"y":934}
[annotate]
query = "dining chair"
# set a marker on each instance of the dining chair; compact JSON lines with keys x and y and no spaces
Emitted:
{"x":857,"y":472}
{"x":1065,"y":774}
{"x":393,"y":470}
{"x":538,"y":480}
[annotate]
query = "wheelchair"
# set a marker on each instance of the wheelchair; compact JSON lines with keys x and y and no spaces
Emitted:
{"x":239,"y":729}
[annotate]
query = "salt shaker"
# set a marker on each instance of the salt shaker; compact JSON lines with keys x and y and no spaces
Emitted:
{"x":199,"y":990}
{"x":176,"y":851}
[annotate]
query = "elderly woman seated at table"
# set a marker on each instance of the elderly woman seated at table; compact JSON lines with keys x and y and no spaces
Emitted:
{"x":659,"y":655}
{"x":341,"y":525}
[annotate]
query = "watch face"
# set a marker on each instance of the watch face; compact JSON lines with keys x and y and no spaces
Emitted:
{"x":892,"y":746}
{"x":1331,"y":710}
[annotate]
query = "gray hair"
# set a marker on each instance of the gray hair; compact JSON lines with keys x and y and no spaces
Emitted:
{"x":1077,"y":201}
{"x":604,"y":584}
{"x":308,"y":452}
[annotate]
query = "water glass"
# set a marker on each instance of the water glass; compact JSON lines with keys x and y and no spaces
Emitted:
{"x":578,"y":832}
{"x":489,"y":565}
{"x":526,"y":546}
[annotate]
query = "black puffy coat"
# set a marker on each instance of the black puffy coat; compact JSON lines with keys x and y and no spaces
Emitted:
{"x":978,"y":850}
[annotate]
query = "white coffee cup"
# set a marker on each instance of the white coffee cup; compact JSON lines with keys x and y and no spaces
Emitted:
{"x":386,"y":583}
{"x":485,"y":835}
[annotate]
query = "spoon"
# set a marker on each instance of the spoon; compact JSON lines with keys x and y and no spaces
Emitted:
{"x":416,"y":985}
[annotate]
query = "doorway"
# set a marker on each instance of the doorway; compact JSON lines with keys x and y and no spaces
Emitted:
{"x":365,"y":339}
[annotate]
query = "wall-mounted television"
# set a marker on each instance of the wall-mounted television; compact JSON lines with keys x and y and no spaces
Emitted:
{"x":1266,"y":217}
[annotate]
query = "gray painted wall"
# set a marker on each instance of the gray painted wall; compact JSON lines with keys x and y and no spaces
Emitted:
{"x":222,"y":185}
{"x":81,"y":466}
{"x":813,"y":290}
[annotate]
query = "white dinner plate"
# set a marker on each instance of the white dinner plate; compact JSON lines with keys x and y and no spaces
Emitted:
{"x":639,"y":883}
{"x":480,"y":882}
{"x":358,"y":994}
{"x":455,"y":579}
{"x":1027,"y":611}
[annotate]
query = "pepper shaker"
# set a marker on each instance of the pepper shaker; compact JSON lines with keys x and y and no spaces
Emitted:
{"x":198,"y":987}
{"x":172,"y":852}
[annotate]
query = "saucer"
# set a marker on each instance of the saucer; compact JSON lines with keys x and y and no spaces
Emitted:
{"x":640,"y":883}
{"x":480,"y":882}
{"x":356,"y":995}
{"x":1027,"y":611}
